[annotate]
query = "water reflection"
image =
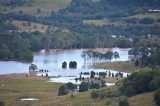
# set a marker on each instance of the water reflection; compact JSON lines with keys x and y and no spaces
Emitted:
{"x":52,"y":60}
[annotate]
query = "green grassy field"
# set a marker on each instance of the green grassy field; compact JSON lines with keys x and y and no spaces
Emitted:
{"x":103,"y":22}
{"x":46,"y":92}
{"x":32,"y":28}
{"x":96,"y":22}
{"x":120,"y":66}
{"x":121,"y":22}
{"x":145,"y":99}
{"x":13,"y":90}
{"x":46,"y":6}
{"x":147,"y":15}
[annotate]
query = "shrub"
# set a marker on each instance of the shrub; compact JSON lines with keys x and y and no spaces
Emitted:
{"x":136,"y":63}
{"x":129,"y":91}
{"x":62,"y":91}
{"x":72,"y":95}
{"x":123,"y":101}
{"x":83,"y":87}
{"x":92,"y":74}
{"x":64,"y":64}
{"x":157,"y":97}
{"x":153,"y":85}
{"x":73,"y":64}
{"x":94,"y":94}
{"x":71,"y":86}
{"x":2,"y":103}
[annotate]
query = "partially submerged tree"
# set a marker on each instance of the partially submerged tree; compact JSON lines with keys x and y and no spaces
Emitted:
{"x":64,"y":64}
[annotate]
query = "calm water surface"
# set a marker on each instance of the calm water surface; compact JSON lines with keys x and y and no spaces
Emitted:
{"x":52,"y":60}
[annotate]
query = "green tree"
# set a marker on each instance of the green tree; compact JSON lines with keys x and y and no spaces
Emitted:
{"x":154,"y":84}
{"x":64,"y":64}
{"x":92,"y":74}
{"x":129,"y":91}
{"x":62,"y":91}
{"x":35,"y":44}
{"x":71,"y":86}
{"x":83,"y":87}
{"x":45,"y":42}
{"x":157,"y":97}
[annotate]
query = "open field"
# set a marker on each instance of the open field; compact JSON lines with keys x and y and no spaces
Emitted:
{"x":146,"y":15}
{"x":103,"y":22}
{"x":120,"y":66}
{"x":13,"y":89}
{"x":23,"y":26}
{"x":96,"y":22}
{"x":145,"y":99}
{"x":46,"y":6}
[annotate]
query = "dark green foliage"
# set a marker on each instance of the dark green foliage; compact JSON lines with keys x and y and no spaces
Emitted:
{"x":154,"y":84}
{"x":136,"y":63}
{"x":45,"y":42}
{"x":62,"y":91}
{"x":83,"y":87}
{"x":104,"y":94}
{"x":13,"y":46}
{"x":35,"y":44}
{"x":123,"y":102}
{"x":94,"y":94}
{"x":2,"y":103}
{"x":73,"y":64}
{"x":103,"y":83}
{"x":140,"y":82}
{"x":64,"y":64}
{"x":157,"y":97}
{"x":147,"y":21}
{"x":148,"y":51}
{"x":129,"y":91}
{"x":92,"y":74}
{"x":94,"y":85}
{"x":70,"y":86}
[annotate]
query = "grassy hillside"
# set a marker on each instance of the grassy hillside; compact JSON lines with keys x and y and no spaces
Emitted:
{"x":146,"y":15}
{"x":23,"y":26}
{"x":121,"y":22}
{"x":46,"y":6}
{"x":145,"y":99}
{"x":12,"y":90}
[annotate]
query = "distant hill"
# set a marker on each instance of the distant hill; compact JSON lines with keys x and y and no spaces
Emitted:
{"x":33,"y":7}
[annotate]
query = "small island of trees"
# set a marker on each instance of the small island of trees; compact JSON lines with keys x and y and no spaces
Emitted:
{"x":72,"y":64}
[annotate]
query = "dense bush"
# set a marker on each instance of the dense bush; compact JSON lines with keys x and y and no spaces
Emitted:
{"x":92,"y":74}
{"x":2,"y":103}
{"x":123,"y":102}
{"x":62,"y":90}
{"x":157,"y":97}
{"x":83,"y":87}
{"x":65,"y":89}
{"x":70,"y":86}
{"x":13,"y":46}
{"x":140,"y":82}
{"x":73,"y":64}
{"x":64,"y":64}
{"x":104,"y":94}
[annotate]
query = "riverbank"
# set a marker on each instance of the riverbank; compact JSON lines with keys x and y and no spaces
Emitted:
{"x":22,"y":76}
{"x":127,"y":66}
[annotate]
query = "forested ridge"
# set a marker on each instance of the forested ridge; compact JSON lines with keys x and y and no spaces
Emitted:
{"x":66,"y":27}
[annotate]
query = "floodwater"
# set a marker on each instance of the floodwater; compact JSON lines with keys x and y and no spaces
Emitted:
{"x":52,"y":60}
